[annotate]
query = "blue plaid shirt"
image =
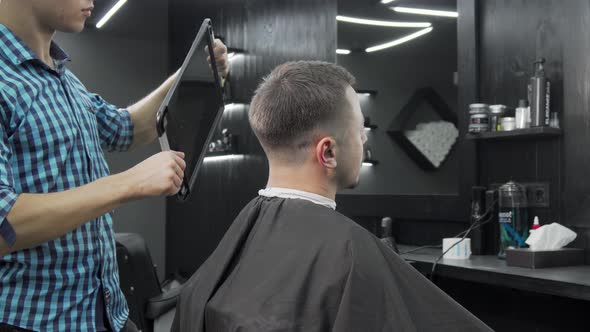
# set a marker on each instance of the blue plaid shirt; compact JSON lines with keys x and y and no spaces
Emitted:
{"x":52,"y":132}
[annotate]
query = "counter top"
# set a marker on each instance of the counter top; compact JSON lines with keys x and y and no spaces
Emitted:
{"x":571,"y":281}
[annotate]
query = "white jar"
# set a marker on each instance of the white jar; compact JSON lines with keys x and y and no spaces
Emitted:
{"x":508,"y":124}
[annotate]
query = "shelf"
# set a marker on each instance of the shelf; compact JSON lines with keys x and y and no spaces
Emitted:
{"x":236,"y":50}
{"x":370,"y":162}
{"x":402,"y":122}
{"x":517,"y":134}
{"x":366,"y":92}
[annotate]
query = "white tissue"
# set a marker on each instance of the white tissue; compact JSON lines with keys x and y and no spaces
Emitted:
{"x":550,"y":237}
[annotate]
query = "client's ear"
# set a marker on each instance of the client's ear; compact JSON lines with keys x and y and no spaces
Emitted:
{"x":325,"y":151}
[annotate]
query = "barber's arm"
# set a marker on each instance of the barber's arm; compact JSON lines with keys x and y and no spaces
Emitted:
{"x":29,"y":219}
{"x":143,"y":113}
{"x":33,"y":219}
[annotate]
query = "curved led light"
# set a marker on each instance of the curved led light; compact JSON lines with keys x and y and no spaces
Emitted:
{"x":398,"y":41}
{"x":223,"y":157}
{"x":391,"y":24}
{"x":428,"y":12}
{"x":110,"y":13}
{"x":234,"y":56}
{"x":233,"y":107}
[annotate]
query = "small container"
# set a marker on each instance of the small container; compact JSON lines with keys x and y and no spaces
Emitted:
{"x":508,"y":124}
{"x":496,"y":113}
{"x":554,"y":121}
{"x":479,"y":118}
{"x":536,"y":225}
{"x":522,"y":115}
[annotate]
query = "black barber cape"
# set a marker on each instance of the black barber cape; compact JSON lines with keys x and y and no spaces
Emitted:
{"x":293,"y":265}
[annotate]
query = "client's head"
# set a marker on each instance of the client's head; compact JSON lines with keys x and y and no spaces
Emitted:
{"x":308,"y":119}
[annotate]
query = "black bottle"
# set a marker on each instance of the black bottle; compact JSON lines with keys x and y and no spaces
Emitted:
{"x":387,"y":234}
{"x":539,"y":96}
{"x":477,"y":211}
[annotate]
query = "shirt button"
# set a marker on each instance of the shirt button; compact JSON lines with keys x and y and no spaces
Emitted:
{"x":107,"y":296}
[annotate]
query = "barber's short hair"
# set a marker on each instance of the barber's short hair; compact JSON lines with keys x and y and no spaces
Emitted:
{"x":296,"y":98}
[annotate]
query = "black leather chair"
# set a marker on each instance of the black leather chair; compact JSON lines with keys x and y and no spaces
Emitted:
{"x":139,"y":281}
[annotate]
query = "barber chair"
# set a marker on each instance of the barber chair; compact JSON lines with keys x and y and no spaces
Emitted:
{"x":151,"y":304}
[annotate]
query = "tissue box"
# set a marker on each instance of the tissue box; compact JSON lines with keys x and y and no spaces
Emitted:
{"x":524,"y":257}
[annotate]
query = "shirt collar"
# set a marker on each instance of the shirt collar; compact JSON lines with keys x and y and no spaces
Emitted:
{"x":16,"y":51}
{"x":292,"y":193}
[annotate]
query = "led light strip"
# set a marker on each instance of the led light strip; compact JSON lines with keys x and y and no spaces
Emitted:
{"x":398,"y":41}
{"x":429,"y":12}
{"x":110,"y":13}
{"x":391,"y":24}
{"x":232,"y":107}
{"x":221,"y":158}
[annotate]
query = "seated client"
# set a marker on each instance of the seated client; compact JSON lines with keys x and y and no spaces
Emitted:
{"x":290,"y":262}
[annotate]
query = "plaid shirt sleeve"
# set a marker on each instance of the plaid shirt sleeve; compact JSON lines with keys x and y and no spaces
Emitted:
{"x":8,"y":195}
{"x":115,"y":127}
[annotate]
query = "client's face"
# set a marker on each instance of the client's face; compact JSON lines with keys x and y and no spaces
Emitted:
{"x":351,"y":157}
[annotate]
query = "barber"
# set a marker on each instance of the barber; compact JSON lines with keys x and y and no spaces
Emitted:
{"x":58,"y":268}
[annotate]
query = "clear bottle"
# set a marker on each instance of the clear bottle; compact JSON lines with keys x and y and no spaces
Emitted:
{"x":496,"y":113}
{"x":554,"y":121}
{"x":513,"y":217}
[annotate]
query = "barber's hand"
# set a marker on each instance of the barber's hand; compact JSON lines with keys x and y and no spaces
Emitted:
{"x":221,"y":60}
{"x":160,"y":174}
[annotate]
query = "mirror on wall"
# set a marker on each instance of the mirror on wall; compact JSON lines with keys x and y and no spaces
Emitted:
{"x":405,"y":53}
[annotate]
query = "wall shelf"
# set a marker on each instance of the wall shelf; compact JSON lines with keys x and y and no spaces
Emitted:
{"x":366,"y":92}
{"x":368,"y":124}
{"x":371,"y":162}
{"x":400,"y":124}
{"x":517,"y":134}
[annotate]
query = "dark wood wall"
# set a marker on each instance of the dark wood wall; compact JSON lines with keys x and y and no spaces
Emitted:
{"x":271,"y":32}
{"x":497,"y":42}
{"x":496,"y":51}
{"x":512,"y":35}
{"x":396,"y":74}
{"x":427,"y":218}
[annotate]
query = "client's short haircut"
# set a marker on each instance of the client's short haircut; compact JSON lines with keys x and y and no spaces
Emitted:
{"x":296,"y":98}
